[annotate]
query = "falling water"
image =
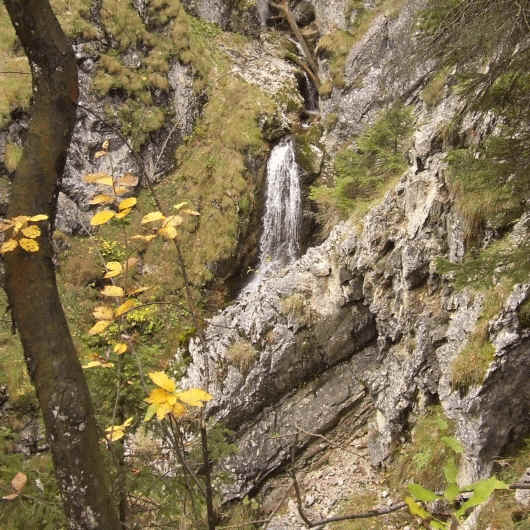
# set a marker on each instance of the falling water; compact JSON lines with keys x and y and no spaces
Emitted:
{"x":280,"y":242}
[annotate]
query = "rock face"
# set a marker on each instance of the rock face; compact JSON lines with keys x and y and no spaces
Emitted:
{"x":363,"y":324}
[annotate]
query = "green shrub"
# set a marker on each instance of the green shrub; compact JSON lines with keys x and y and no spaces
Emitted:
{"x":361,"y":173}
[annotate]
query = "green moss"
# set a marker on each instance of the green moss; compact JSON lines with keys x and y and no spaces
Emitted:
{"x":471,"y":364}
{"x":434,"y":91}
{"x":297,"y":307}
{"x":12,"y":155}
{"x":335,"y":46}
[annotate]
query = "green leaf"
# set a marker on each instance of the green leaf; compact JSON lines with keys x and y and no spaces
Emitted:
{"x":439,"y":525}
{"x":451,"y":492}
{"x":453,"y":444}
{"x":151,"y":411}
{"x":450,"y":471}
{"x":421,"y":493}
{"x":482,"y":491}
{"x":416,"y":509}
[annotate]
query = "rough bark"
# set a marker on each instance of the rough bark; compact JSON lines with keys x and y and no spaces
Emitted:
{"x":31,"y":285}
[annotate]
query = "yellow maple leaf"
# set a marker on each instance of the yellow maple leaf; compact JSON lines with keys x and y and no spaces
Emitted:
{"x":158,"y":395}
{"x":123,"y":213}
{"x":138,"y":290}
{"x":31,"y":231}
{"x":5,"y":225}
{"x":127,"y":203}
{"x":120,"y":348}
{"x":96,"y":364}
{"x":112,"y":290}
{"x":152,"y":217}
{"x":29,"y":245}
{"x":103,"y":312}
{"x":168,"y":232}
{"x":173,"y":220}
{"x":101,"y":199}
{"x":99,"y":154}
{"x":102,"y":217}
{"x":178,"y":410}
{"x":144,"y":238}
{"x":191,"y":212}
{"x":99,"y":327}
{"x":163,"y":410}
{"x":113,"y":269}
{"x":180,"y":205}
{"x":194,"y":397}
{"x":38,"y":217}
{"x":126,"y":306}
{"x":8,"y":246}
{"x":105,"y":145}
{"x":162,"y":380}
{"x":94,"y":177}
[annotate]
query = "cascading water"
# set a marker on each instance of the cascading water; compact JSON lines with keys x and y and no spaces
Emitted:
{"x":280,"y":242}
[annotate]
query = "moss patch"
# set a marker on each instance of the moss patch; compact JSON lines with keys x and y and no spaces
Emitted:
{"x":242,"y":355}
{"x":12,"y":155}
{"x":471,"y":364}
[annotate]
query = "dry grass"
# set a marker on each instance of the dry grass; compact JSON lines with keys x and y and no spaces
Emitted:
{"x":471,"y":364}
{"x":242,"y":355}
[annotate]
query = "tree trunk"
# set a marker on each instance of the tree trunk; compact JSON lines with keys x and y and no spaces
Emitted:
{"x":31,"y":285}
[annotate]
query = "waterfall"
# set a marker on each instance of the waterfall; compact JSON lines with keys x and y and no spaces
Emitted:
{"x":280,"y":241}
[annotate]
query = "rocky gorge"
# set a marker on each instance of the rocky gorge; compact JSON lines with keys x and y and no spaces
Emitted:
{"x":356,"y":334}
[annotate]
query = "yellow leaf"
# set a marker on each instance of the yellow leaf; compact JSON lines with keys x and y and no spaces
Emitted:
{"x":102,"y":217}
{"x":123,"y":213}
{"x":19,"y":481}
{"x":96,"y":364}
{"x":105,"y":145}
{"x":94,"y":177}
{"x":103,"y":312}
{"x":99,"y":154}
{"x":162,"y":380}
{"x":127,"y":422}
{"x":178,"y":410}
{"x":120,"y":190}
{"x":180,"y":205}
{"x":194,"y":397}
{"x":144,"y":238}
{"x":99,"y":327}
{"x":5,"y":225}
{"x":157,"y":396}
{"x":114,"y":434}
{"x":120,"y":348}
{"x":163,"y":410}
{"x":101,"y":199}
{"x":173,"y":220}
{"x":31,"y":231}
{"x":137,"y":291}
{"x":191,"y":212}
{"x":114,"y":269}
{"x":39,"y":217}
{"x":126,"y":306}
{"x":29,"y":245}
{"x":127,"y":203}
{"x":128,"y":180}
{"x":112,"y":290}
{"x":8,"y":246}
{"x":168,"y":232}
{"x":152,"y":217}
{"x":20,"y":220}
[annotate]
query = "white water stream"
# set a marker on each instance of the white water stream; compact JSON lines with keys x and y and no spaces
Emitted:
{"x":280,"y":241}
